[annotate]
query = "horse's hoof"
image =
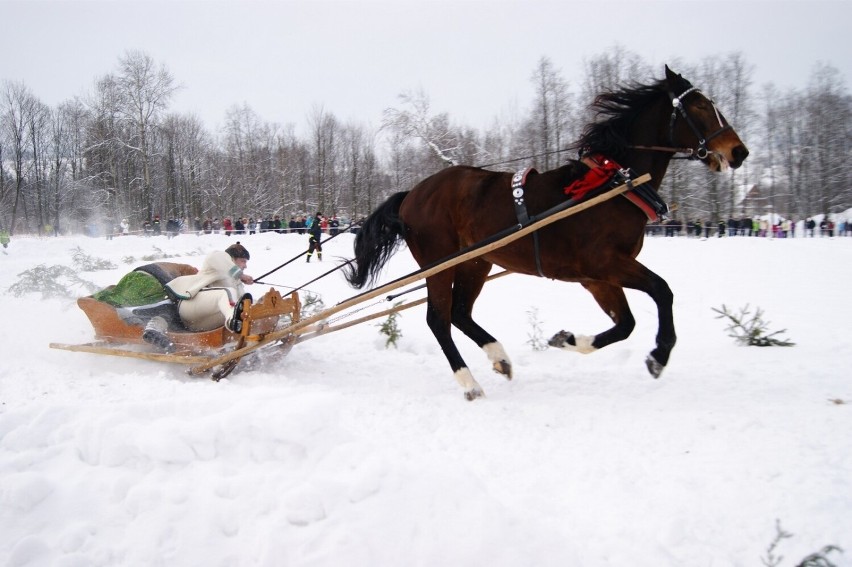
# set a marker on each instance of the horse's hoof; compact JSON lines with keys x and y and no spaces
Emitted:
{"x":562,"y":338}
{"x":471,"y":395}
{"x":568,"y":341}
{"x":499,"y":359}
{"x":654,"y":367}
{"x":503,"y":367}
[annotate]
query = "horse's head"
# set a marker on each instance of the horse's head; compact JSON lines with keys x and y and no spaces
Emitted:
{"x":697,"y":124}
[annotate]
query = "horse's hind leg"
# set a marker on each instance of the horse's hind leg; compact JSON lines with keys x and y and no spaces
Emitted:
{"x":468,"y":283}
{"x":613,"y":302}
{"x":438,"y":317}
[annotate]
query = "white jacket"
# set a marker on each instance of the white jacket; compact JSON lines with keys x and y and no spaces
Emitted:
{"x":218,"y":270}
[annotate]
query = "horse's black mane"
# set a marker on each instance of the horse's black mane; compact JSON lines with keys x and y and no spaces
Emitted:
{"x":614,"y":112}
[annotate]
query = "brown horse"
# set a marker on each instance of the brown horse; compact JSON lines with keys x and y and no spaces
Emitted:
{"x":641,"y":128}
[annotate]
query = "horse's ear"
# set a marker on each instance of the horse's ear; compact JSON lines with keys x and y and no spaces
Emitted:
{"x":675,"y":81}
{"x":671,"y":76}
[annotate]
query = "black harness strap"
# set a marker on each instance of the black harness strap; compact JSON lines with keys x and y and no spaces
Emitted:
{"x":518,"y":181}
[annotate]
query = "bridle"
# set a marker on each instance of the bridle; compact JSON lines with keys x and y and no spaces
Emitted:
{"x":678,"y":109}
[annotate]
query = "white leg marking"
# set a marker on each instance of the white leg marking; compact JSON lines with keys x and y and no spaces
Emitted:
{"x":584,"y":344}
{"x":472,"y":389}
{"x":499,"y":359}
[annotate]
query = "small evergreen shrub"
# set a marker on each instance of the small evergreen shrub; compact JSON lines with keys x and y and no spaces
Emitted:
{"x":311,"y":305}
{"x":85,"y":263}
{"x":751,"y":329}
{"x":52,"y":281}
{"x":158,"y":254}
{"x":390,"y":328}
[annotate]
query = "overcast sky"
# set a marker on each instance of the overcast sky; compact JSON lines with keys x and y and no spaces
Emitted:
{"x":353,"y":58}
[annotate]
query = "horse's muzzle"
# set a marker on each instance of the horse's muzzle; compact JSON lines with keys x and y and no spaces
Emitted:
{"x":739,"y":154}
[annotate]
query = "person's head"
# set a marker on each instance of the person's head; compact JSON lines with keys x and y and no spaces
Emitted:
{"x":238,"y":254}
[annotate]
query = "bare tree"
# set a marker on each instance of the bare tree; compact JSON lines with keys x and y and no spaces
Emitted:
{"x":186,"y":143}
{"x":104,"y":152}
{"x":404,"y":162}
{"x":39,"y":120}
{"x":793,"y":148}
{"x":614,"y":67}
{"x":828,"y":112}
{"x":417,"y":122}
{"x":770,"y":132}
{"x":501,"y":143}
{"x":324,"y":145}
{"x":368,"y":195}
{"x":145,"y":93}
{"x":74,"y":117}
{"x":250,"y":147}
{"x":359,"y":166}
{"x":550,"y":112}
{"x":292,"y":163}
{"x":735,"y":99}
{"x":18,"y":106}
{"x":59,"y":151}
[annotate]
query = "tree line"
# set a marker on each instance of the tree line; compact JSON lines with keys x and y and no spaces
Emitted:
{"x":118,"y":152}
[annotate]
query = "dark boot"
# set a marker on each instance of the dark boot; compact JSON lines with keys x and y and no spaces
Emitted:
{"x":155,"y":334}
{"x":235,"y":323}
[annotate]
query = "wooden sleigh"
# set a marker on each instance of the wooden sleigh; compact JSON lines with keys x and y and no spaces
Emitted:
{"x":275,"y":321}
{"x":117,"y":337}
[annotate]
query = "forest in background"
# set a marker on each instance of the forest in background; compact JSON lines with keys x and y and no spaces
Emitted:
{"x":119,"y":152}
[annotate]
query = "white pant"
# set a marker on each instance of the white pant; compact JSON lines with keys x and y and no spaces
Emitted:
{"x":209,"y":309}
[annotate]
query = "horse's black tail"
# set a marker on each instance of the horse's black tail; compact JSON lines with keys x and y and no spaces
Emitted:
{"x":376,"y":241}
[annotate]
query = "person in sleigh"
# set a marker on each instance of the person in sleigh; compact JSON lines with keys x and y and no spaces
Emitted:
{"x":165,"y":296}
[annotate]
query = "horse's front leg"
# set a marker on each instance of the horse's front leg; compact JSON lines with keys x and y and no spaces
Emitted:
{"x":611,"y":299}
{"x":613,"y":302}
{"x":662,"y":295}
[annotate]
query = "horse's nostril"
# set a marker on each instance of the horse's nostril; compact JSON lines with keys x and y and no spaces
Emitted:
{"x":740,"y":154}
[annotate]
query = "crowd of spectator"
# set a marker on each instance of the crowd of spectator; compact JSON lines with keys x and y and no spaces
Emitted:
{"x":227,"y":225}
{"x":297,"y":224}
{"x":783,"y":228}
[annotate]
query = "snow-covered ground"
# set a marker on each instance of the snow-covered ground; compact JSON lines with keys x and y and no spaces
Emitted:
{"x":348,"y":453}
